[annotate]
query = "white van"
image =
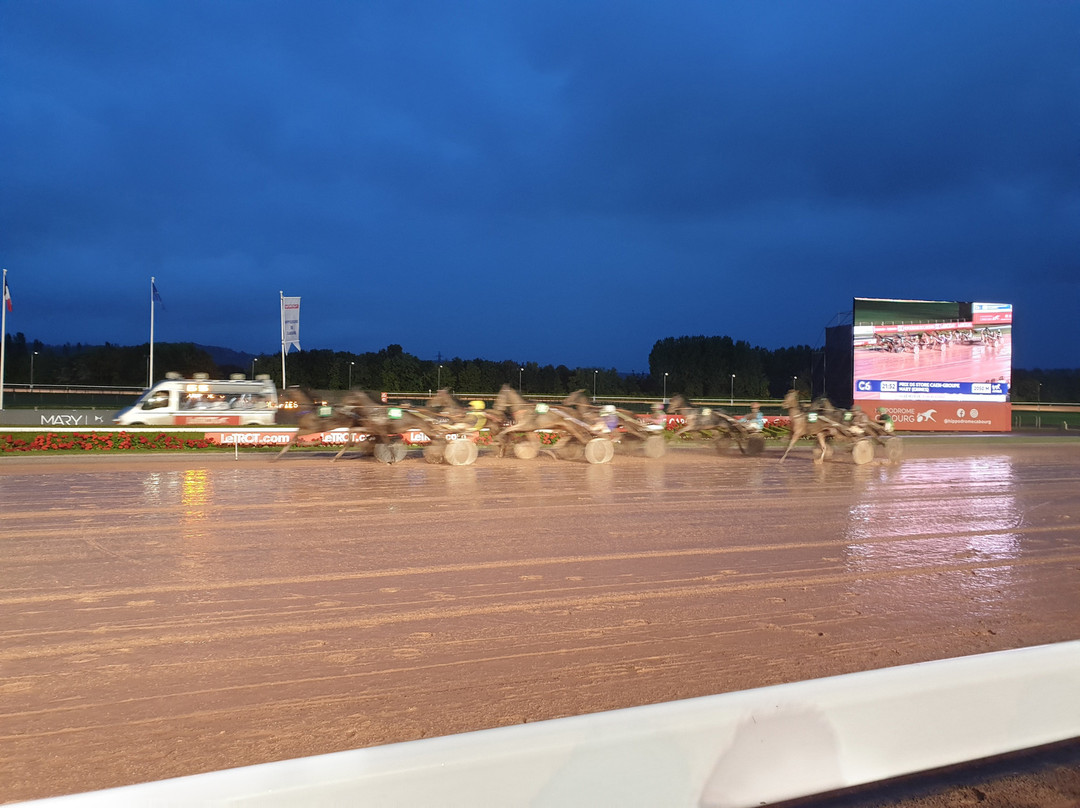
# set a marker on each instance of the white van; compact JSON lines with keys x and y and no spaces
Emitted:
{"x":202,"y":401}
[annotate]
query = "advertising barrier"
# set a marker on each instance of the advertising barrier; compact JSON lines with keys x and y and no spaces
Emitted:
{"x":336,"y":437}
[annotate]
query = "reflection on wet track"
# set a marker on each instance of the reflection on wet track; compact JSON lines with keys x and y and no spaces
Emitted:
{"x":171,"y":615}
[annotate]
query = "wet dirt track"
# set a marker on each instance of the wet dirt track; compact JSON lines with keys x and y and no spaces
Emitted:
{"x":167,"y":615}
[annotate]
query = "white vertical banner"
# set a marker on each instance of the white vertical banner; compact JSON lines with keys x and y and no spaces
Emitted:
{"x":290,"y":323}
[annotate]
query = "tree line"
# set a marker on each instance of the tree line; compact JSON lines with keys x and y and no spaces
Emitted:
{"x":703,"y":367}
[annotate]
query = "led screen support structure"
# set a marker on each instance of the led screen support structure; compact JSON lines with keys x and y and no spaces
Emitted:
{"x":934,"y":365}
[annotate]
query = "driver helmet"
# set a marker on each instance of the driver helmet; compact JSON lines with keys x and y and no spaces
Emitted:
{"x":608,"y":409}
{"x":476,"y":405}
{"x":881,"y":410}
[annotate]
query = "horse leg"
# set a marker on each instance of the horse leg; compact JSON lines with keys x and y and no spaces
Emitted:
{"x":824,"y":447}
{"x":796,"y":433}
{"x":344,"y":446}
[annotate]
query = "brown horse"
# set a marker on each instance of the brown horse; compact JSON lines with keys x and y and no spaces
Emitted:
{"x":707,"y":420}
{"x":527,"y":417}
{"x":387,"y":423}
{"x":619,"y":425}
{"x":820,"y":424}
{"x":458,"y":423}
{"x":312,"y":418}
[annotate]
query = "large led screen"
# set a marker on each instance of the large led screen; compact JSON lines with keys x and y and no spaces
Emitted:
{"x":934,"y":365}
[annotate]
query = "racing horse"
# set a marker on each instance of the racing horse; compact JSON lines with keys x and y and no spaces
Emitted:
{"x":820,"y":423}
{"x":526,"y":417}
{"x":701,"y":420}
{"x":313,"y":418}
{"x":386,"y":424}
{"x":620,"y":425}
{"x":457,"y":420}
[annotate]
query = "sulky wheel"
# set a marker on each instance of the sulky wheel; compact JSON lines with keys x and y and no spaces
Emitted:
{"x":862,"y":452}
{"x":460,"y":452}
{"x":434,"y":451}
{"x":529,"y":448}
{"x":474,"y":452}
{"x":755,"y":444}
{"x":569,"y":449}
{"x":722,"y":443}
{"x":599,"y":450}
{"x":894,"y":449}
{"x":655,"y":446}
{"x":384,"y":452}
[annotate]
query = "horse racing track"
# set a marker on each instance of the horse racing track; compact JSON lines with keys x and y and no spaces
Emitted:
{"x":163,"y":616}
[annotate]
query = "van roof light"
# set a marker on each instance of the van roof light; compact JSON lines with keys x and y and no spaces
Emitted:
{"x":172,"y":374}
{"x":200,"y":376}
{"x":263,"y":377}
{"x":237,"y":377}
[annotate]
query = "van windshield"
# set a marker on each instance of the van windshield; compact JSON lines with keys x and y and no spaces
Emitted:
{"x":153,"y":400}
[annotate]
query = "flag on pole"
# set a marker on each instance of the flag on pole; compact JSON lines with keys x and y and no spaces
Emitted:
{"x":156,"y":296}
{"x":7,"y":294}
{"x":290,"y":323}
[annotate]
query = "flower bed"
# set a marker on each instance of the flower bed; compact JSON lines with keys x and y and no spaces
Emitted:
{"x":101,"y":442}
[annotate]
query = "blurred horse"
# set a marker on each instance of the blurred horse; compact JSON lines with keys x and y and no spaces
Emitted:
{"x":525,"y":417}
{"x":819,"y":423}
{"x":312,"y":418}
{"x":706,"y":419}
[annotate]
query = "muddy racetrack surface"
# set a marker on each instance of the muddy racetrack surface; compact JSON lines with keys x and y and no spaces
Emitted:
{"x":168,"y":615}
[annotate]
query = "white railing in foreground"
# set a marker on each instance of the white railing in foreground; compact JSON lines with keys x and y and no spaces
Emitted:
{"x":738,"y":749}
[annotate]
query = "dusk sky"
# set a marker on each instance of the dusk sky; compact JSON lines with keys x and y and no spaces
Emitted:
{"x":558,"y":182}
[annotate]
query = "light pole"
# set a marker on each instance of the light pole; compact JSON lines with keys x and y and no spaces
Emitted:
{"x":732,"y":401}
{"x":35,"y":353}
{"x":520,"y":371}
{"x":794,"y":380}
{"x":438,"y":384}
{"x":1038,"y":392}
{"x":665,"y":389}
{"x":594,"y":386}
{"x":254,"y":359}
{"x":350,"y":374}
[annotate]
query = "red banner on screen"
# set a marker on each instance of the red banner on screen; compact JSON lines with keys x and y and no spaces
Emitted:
{"x":949,"y":416}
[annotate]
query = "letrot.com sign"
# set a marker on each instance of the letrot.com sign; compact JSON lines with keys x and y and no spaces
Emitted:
{"x":254,"y":437}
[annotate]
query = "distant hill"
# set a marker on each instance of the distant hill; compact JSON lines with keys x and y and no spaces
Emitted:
{"x":227,"y":357}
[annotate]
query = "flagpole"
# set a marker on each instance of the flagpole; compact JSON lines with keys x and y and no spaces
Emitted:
{"x":3,"y":336}
{"x":281,"y":293}
{"x":150,"y":380}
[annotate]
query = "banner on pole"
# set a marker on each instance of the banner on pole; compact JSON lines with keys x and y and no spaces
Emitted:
{"x":290,"y":323}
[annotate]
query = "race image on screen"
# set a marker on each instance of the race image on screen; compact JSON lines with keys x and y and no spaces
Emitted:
{"x":934,"y":365}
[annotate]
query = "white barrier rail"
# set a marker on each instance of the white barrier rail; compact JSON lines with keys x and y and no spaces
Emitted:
{"x":733,"y":750}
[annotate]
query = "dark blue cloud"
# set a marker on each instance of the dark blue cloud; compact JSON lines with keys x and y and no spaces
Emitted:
{"x":558,"y":183}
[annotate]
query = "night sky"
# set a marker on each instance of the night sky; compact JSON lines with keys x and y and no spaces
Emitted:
{"x":556,"y":182}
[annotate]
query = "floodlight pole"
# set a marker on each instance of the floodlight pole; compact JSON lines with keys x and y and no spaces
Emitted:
{"x":350,"y":374}
{"x":732,"y":401}
{"x":665,"y":388}
{"x":594,"y":386}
